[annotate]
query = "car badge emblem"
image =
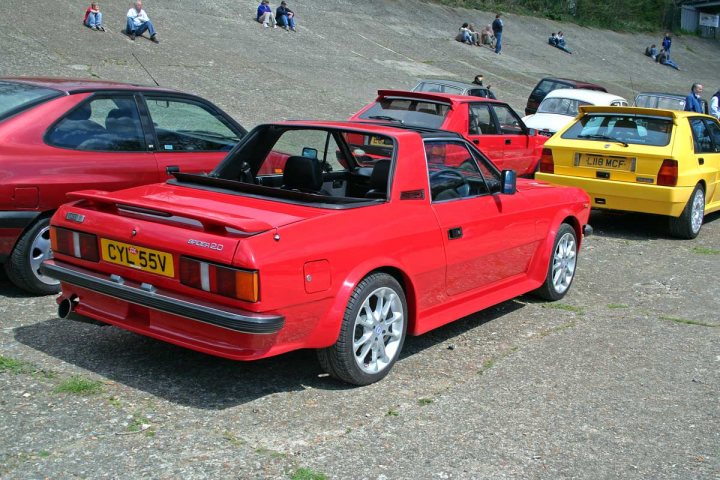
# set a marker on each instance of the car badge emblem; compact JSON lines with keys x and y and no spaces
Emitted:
{"x":75,"y":217}
{"x":134,"y":232}
{"x":607,"y":145}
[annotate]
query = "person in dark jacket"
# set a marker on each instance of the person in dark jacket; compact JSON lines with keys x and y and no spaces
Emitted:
{"x":666,"y":44}
{"x":285,"y":17}
{"x":692,"y":101}
{"x":497,"y":27}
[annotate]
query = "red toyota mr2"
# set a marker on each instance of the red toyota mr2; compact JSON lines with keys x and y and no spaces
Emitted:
{"x":324,"y":250}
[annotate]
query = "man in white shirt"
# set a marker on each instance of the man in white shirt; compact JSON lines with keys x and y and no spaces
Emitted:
{"x":138,"y":21}
{"x":714,"y":107}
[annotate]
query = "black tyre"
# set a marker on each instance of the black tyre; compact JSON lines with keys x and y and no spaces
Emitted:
{"x":561,"y":270}
{"x":23,"y":264}
{"x":372,"y":332}
{"x":688,"y":224}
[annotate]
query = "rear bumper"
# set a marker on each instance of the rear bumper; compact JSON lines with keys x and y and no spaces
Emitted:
{"x":12,"y":225}
{"x":624,"y":196}
{"x":146,"y":296}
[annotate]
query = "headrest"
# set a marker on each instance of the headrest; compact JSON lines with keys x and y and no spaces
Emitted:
{"x":380,"y":174}
{"x":625,"y":123}
{"x":302,"y":173}
{"x":83,"y":112}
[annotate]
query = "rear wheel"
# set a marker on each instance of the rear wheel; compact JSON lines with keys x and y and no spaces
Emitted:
{"x":561,"y":270}
{"x":688,"y":224}
{"x":372,"y":332}
{"x":23,"y":264}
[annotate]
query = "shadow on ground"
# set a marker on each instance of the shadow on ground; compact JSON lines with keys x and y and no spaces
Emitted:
{"x":202,"y":381}
{"x":634,"y":226}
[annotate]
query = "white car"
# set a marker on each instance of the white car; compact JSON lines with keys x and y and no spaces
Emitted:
{"x":560,"y":106}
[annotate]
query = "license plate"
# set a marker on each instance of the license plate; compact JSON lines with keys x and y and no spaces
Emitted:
{"x":132,"y":256}
{"x":379,"y":142}
{"x":613,"y":163}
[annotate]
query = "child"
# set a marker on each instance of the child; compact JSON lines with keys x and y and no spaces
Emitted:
{"x":93,"y":17}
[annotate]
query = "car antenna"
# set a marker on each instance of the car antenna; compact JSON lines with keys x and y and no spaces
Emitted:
{"x":146,"y":70}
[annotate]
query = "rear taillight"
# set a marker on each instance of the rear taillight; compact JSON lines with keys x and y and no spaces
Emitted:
{"x":547,"y":164}
{"x":668,"y":173}
{"x":76,"y":244}
{"x":226,"y":281}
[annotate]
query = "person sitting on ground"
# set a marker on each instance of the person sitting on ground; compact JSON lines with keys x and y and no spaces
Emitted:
{"x":93,"y":17}
{"x":663,"y":59}
{"x":561,"y":42}
{"x":464,"y":34}
{"x":285,"y":16}
{"x":552,"y":40}
{"x":651,"y":51}
{"x":486,"y":35}
{"x":138,"y":22}
{"x":474,"y":35}
{"x":265,"y":14}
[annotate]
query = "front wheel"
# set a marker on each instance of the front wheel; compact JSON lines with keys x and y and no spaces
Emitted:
{"x":688,"y":224}
{"x":561,"y":270}
{"x":372,"y":332}
{"x":23,"y":264}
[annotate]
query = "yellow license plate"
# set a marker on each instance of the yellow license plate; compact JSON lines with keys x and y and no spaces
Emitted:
{"x":613,"y":163}
{"x":379,"y":142}
{"x":132,"y":256}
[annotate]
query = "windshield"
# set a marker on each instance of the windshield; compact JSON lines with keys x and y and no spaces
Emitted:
{"x":416,"y":113}
{"x":561,"y":106}
{"x":624,"y":128}
{"x":16,"y":97}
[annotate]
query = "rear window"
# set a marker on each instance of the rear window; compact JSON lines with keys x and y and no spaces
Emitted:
{"x":632,"y":129}
{"x":419,"y":113}
{"x":16,"y":97}
{"x":561,"y":106}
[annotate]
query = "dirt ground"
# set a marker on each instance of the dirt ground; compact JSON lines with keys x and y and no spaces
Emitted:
{"x":620,"y":379}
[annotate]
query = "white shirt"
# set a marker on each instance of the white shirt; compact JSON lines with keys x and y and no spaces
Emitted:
{"x":714,"y":111}
{"x":138,"y":17}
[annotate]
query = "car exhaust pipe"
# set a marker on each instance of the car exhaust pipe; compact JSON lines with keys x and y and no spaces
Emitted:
{"x":66,"y":310}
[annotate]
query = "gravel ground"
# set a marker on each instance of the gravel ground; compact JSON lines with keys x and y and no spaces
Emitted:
{"x":619,"y":380}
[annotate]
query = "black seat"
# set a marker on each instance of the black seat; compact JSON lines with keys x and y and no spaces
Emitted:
{"x":302,"y":173}
{"x":379,"y":180}
{"x":76,"y":128}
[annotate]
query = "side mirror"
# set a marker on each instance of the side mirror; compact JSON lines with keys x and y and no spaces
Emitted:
{"x":532,"y":132}
{"x":508,"y":178}
{"x":309,"y":152}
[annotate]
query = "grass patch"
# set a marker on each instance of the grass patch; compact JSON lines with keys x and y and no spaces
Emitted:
{"x":617,"y":305}
{"x":269,"y":452}
{"x":138,"y":422}
{"x":114,"y":402}
{"x":43,"y":454}
{"x":77,"y":385}
{"x":705,"y":251}
{"x":307,"y":474}
{"x":425,"y":401}
{"x":565,"y":307}
{"x":232,"y":439}
{"x":392,"y":413}
{"x":685,"y":321}
{"x":11,"y":365}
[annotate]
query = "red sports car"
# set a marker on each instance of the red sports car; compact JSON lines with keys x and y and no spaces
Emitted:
{"x":60,"y":135}
{"x":325,"y":249}
{"x":492,"y":125}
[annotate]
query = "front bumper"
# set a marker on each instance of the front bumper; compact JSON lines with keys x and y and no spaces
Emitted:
{"x":147,"y":296}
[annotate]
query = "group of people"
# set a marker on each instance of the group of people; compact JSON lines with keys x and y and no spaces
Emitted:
{"x":137,"y":21}
{"x":663,"y":56}
{"x":490,"y":35}
{"x":282,"y":16}
{"x":558,"y":40}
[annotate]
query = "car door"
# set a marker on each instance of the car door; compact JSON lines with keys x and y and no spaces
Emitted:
{"x":516,"y":153}
{"x":712,"y":160}
{"x":190,"y":135}
{"x":483,"y":132}
{"x":706,"y":142}
{"x":487,"y":237}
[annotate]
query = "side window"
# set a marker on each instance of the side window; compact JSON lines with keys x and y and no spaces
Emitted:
{"x":453,"y":171}
{"x":480,"y":120}
{"x":508,"y":121}
{"x":543,"y":88}
{"x":100,"y":124}
{"x":187,"y":126}
{"x":714,"y":130}
{"x":701,"y":136}
{"x":316,"y":144}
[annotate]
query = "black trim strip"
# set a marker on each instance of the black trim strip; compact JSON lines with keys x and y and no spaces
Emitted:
{"x":17,"y":219}
{"x":236,"y":320}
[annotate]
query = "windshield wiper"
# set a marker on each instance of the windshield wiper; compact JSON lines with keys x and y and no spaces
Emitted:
{"x":605,"y":137}
{"x":385,"y":117}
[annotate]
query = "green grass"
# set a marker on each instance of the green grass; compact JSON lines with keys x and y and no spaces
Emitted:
{"x":11,"y":365}
{"x":114,"y":402}
{"x":617,"y":305}
{"x":232,"y":439}
{"x":77,"y":385}
{"x":425,"y":401}
{"x":307,"y":474}
{"x":565,"y":307}
{"x":392,"y":413}
{"x":269,"y":452}
{"x":705,"y":251}
{"x":685,"y":321}
{"x":43,"y":454}
{"x":137,"y":422}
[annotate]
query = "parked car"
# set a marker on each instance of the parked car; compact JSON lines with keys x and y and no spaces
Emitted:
{"x":669,"y":101}
{"x":334,"y":253}
{"x":548,"y":84}
{"x":491,"y":125}
{"x":662,"y":162}
{"x":59,"y":135}
{"x":453,"y":87}
{"x":560,"y":106}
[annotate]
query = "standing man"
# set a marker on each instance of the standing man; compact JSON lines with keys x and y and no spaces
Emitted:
{"x":138,"y":21}
{"x":715,"y":105}
{"x":666,"y":44}
{"x":497,"y":27}
{"x":692,"y":101}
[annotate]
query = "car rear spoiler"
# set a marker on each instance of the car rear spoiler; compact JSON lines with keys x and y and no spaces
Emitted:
{"x":650,"y":112}
{"x":432,"y":97}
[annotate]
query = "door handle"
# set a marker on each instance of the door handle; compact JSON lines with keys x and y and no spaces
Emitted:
{"x":701,"y":161}
{"x":476,"y":141}
{"x":455,"y":233}
{"x":508,"y":141}
{"x":172,"y":169}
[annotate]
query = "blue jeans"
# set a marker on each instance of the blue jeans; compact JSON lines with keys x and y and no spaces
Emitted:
{"x":498,"y":42}
{"x":670,"y":63}
{"x":94,"y":20}
{"x":140,"y":29}
{"x":286,"y":21}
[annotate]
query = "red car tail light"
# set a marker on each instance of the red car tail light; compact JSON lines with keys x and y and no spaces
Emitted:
{"x":226,"y":281}
{"x":668,"y":173}
{"x":547,"y":164}
{"x":76,"y":244}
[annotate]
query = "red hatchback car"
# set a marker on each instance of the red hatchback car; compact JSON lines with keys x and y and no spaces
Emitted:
{"x":492,"y":125}
{"x":60,"y":135}
{"x":326,"y":250}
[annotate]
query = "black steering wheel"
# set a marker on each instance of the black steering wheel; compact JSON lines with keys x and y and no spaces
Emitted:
{"x":451,"y":182}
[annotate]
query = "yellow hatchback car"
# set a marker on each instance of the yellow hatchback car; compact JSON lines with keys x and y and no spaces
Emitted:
{"x":645,"y":160}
